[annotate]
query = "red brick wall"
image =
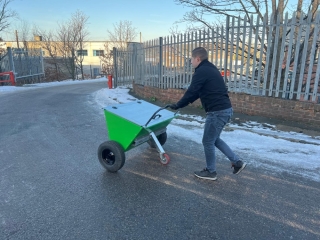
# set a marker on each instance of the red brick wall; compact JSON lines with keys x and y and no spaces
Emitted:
{"x":298,"y":111}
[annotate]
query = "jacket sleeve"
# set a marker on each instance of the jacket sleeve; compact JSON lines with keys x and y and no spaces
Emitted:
{"x":193,"y":91}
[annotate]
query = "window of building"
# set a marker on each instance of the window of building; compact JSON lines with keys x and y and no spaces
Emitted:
{"x":98,"y":52}
{"x":82,"y":52}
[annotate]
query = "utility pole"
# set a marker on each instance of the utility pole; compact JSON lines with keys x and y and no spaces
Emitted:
{"x":17,"y":39}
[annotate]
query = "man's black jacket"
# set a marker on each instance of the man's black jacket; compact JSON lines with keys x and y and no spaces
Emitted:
{"x":208,"y":85}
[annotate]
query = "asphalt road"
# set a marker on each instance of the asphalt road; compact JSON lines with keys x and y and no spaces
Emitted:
{"x":52,"y":185}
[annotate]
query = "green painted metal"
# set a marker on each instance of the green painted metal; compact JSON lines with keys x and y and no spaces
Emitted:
{"x":126,"y":122}
{"x":121,"y":130}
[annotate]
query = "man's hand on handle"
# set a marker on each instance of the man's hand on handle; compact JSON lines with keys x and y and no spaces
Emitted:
{"x":173,"y":106}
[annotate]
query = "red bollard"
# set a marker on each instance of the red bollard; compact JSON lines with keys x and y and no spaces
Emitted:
{"x":110,"y":81}
{"x":12,"y":78}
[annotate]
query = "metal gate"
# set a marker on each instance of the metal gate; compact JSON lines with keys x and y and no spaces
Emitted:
{"x":26,"y":64}
{"x":128,"y":64}
{"x":148,"y":64}
{"x":272,"y":58}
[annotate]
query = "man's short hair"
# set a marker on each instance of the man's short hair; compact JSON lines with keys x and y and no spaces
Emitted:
{"x":200,"y":52}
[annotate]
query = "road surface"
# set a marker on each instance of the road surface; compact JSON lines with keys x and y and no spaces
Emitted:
{"x":52,"y":185}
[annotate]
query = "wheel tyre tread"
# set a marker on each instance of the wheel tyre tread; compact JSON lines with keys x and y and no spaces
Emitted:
{"x":118,"y":152}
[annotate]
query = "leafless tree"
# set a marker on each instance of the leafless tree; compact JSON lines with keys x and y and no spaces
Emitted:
{"x":67,"y":48}
{"x":23,"y":34}
{"x":80,"y":33}
{"x":118,"y":37}
{"x":66,"y":43}
{"x":203,"y":11}
{"x":5,"y":14}
{"x":107,"y":59}
{"x":2,"y":51}
{"x":73,"y":36}
{"x":122,"y":33}
{"x":52,"y":47}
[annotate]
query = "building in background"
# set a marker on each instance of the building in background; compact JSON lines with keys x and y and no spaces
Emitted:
{"x":92,"y":52}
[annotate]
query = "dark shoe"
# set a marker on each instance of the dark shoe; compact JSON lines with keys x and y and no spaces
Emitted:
{"x":238,"y":167}
{"x":205,"y":174}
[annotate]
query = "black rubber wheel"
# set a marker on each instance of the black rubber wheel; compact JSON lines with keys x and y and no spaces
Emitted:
{"x":162,"y":138}
{"x":111,"y":156}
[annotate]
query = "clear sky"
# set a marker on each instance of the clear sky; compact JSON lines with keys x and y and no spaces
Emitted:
{"x":153,"y":18}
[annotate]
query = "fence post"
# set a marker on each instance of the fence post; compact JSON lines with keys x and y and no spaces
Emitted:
{"x":11,"y":63}
{"x":115,"y":75}
{"x":160,"y":61}
{"x":42,"y":65}
{"x":134,"y":62}
{"x":226,"y":51}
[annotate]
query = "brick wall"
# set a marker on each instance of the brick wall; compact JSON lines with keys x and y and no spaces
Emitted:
{"x":304,"y":112}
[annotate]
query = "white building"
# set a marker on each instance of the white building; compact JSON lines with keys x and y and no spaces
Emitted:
{"x":92,"y":51}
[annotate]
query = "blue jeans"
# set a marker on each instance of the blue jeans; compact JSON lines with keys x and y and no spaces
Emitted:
{"x":215,"y":121}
